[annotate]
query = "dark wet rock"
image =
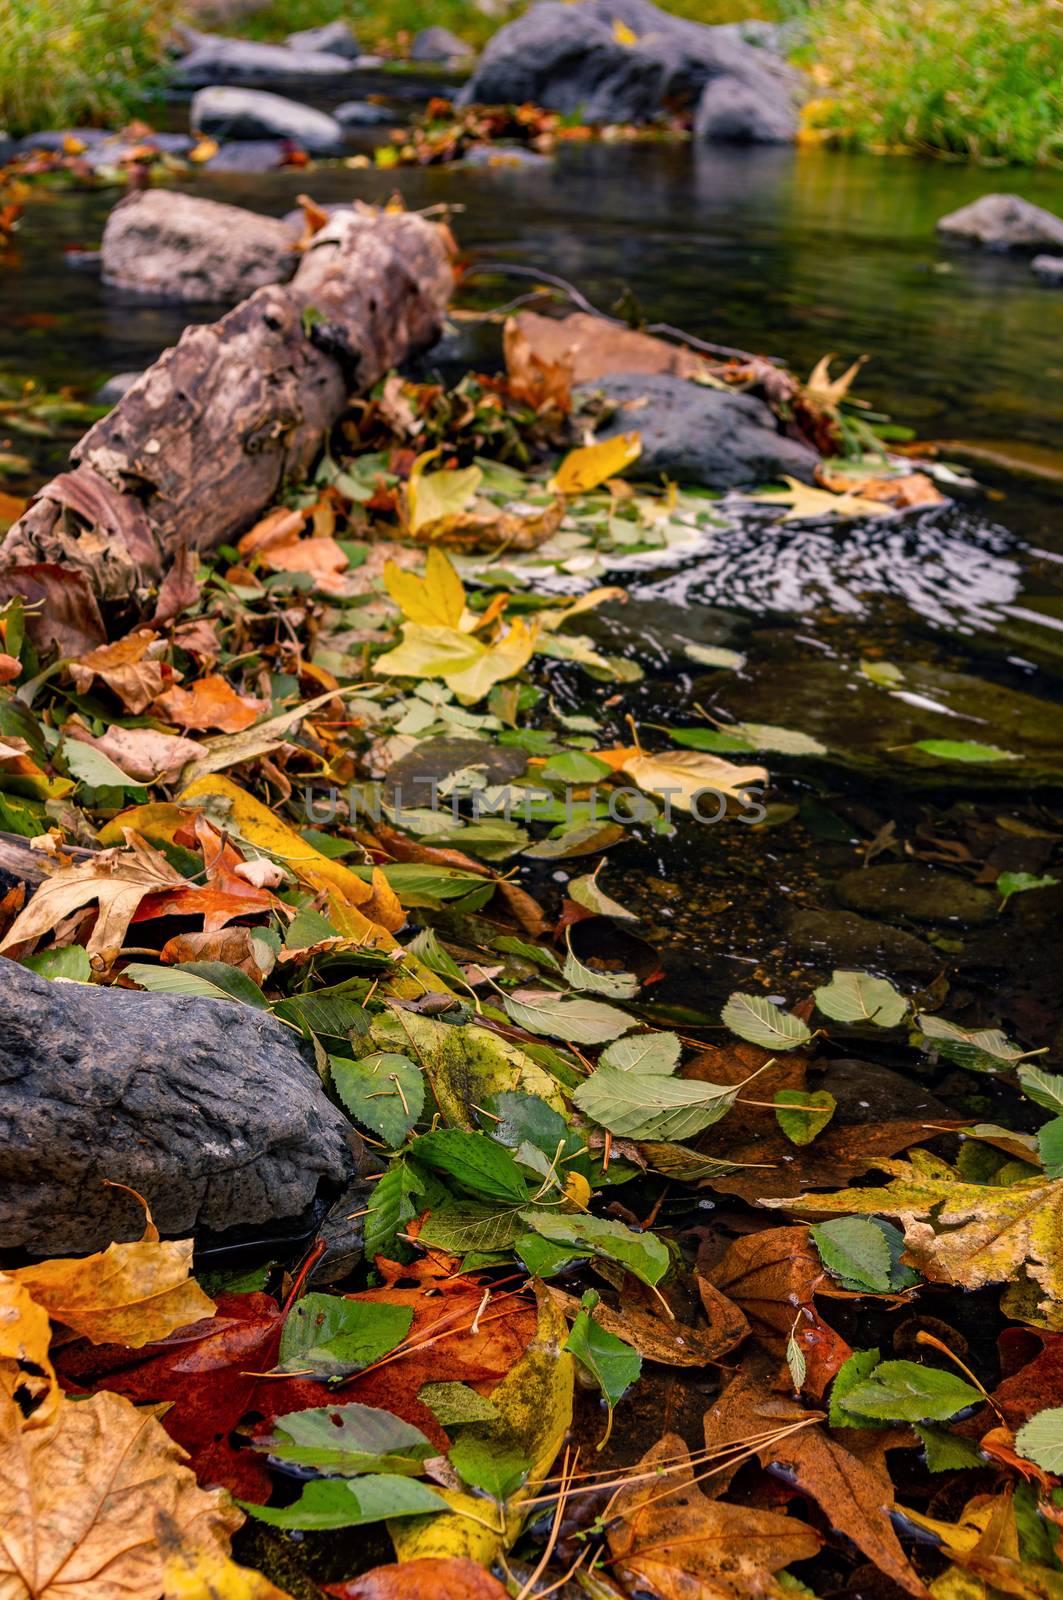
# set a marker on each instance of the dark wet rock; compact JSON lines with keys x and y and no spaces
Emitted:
{"x":841,"y":939}
{"x":250,"y":155}
{"x":692,"y":434}
{"x":207,"y":1108}
{"x":364,"y":114}
{"x":439,"y":44}
{"x":109,"y":393}
{"x":1004,"y":222}
{"x":1049,"y":269}
{"x":334,"y":38}
{"x":214,"y":59}
{"x":180,"y":247}
{"x":656,"y":633}
{"x":409,"y":780}
{"x":570,"y":59}
{"x":752,"y":109}
{"x":228,"y":112}
{"x":78,"y":260}
{"x":866,"y":1092}
{"x":504,"y":155}
{"x":909,"y":890}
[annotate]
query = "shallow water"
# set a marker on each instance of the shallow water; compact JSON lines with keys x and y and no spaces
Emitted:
{"x":795,"y":254}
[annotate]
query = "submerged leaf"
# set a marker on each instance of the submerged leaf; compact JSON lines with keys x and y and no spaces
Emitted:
{"x":758,"y":1020}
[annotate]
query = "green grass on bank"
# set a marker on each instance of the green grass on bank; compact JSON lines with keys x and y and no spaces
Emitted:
{"x":976,"y":78}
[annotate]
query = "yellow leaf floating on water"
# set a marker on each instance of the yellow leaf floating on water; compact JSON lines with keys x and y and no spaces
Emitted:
{"x":437,"y":599}
{"x":681,"y":775}
{"x":83,"y":1497}
{"x":586,"y":468}
{"x":805,"y":504}
{"x":464,"y":662}
{"x":131,"y":1294}
{"x":534,"y":1412}
{"x":436,"y":497}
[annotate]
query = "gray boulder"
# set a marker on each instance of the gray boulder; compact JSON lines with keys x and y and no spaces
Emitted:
{"x":364,"y":114}
{"x":1049,"y":269}
{"x":179,"y":247}
{"x":569,"y":58}
{"x":696,"y":435}
{"x":746,"y":110}
{"x":250,"y":155}
{"x":439,"y":44}
{"x":334,"y":38}
{"x":214,"y":59}
{"x":228,"y":112}
{"x":207,"y":1108}
{"x":1004,"y":222}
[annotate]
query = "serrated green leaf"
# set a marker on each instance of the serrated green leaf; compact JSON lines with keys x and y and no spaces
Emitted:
{"x":756,"y":1019}
{"x":651,"y":1105}
{"x":577,"y":1021}
{"x":1041,"y":1439}
{"x":612,"y":1363}
{"x":477,"y":1163}
{"x":851,"y":1374}
{"x":392,"y":1203}
{"x":985,"y":1050}
{"x":487,"y":1464}
{"x":210,"y":980}
{"x":904,"y":1391}
{"x":642,"y":1254}
{"x":1043,"y":1088}
{"x":453,"y":1403}
{"x":801,"y":1114}
{"x":858,"y":997}
{"x":384,"y":1092}
{"x":614,"y":985}
{"x":644,"y":1053}
{"x":351,"y":1503}
{"x":471,"y":1225}
{"x":855,"y":1251}
{"x":948,"y":1452}
{"x":333,"y":1337}
{"x":1009,"y":883}
{"x":347,"y":1440}
{"x":1050,"y":1147}
{"x":963,"y":750}
{"x":586,"y":892}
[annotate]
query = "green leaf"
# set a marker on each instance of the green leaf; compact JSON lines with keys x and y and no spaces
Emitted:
{"x":948,"y":1452}
{"x":309,"y":928}
{"x":903,"y":1391}
{"x":756,"y":1019}
{"x":1009,"y":883}
{"x":1041,"y":1439}
{"x":383,"y":1092}
{"x":586,"y":892}
{"x":476,"y":1162}
{"x":801,"y":1126}
{"x":392,"y":1203}
{"x":89,"y":765}
{"x":643,"y":1053}
{"x":429,"y":950}
{"x":614,"y":985}
{"x":334,"y":1016}
{"x":963,"y":750}
{"x":536,"y":953}
{"x":642,"y":1254}
{"x":347,"y":1440}
{"x":472,"y":1226}
{"x":544,"y":1259}
{"x":652,"y":1106}
{"x":855,"y":1251}
{"x":1043,"y":1088}
{"x":575,"y":766}
{"x":851,"y":1374}
{"x":857,"y":997}
{"x":527,"y":1119}
{"x":612,"y":1363}
{"x":577,"y":1021}
{"x":332,"y":1337}
{"x":69,"y":961}
{"x":211,"y":980}
{"x":351,"y":1503}
{"x":488,"y":1465}
{"x":987,"y":1050}
{"x":454,"y":1403}
{"x":1050,"y":1146}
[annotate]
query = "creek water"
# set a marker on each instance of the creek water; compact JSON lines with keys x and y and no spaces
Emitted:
{"x":793,"y":253}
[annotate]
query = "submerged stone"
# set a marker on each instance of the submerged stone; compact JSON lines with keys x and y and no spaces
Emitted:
{"x":840,"y":939}
{"x":1004,"y":222}
{"x":920,"y":893}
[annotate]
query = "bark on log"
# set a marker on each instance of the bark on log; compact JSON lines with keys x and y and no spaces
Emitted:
{"x":204,"y":439}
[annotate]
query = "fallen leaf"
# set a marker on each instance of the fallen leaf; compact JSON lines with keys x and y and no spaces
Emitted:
{"x":429,"y":1578}
{"x":83,"y":1495}
{"x":805,"y":504}
{"x":465,"y":664}
{"x":233,"y":945}
{"x":280,"y":526}
{"x":117,"y":880}
{"x":668,"y":1537}
{"x":143,"y":753}
{"x":539,"y":382}
{"x":682,"y":776}
{"x":773,"y":1276}
{"x":434,"y":498}
{"x":825,"y":391}
{"x":593,"y":347}
{"x":126,"y":668}
{"x":26,"y":1373}
{"x":180,"y":587}
{"x":210,"y":702}
{"x":591,"y":465}
{"x":437,"y":599}
{"x":673,"y":1344}
{"x":63,"y":615}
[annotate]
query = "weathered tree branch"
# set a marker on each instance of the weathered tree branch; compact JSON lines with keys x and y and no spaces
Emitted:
{"x":203,"y":441}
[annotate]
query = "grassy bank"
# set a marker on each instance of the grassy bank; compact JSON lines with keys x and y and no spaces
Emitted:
{"x":975,"y":78}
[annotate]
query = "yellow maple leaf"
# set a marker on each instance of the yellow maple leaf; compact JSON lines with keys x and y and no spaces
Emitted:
{"x":825,"y":391}
{"x":462,"y":660}
{"x":434,"y":498}
{"x":436,"y":599}
{"x":681,"y":775}
{"x":131,"y":1294}
{"x":806,"y":504}
{"x":591,"y":465}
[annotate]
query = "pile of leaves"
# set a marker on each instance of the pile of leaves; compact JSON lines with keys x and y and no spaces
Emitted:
{"x":445,"y":132}
{"x":296,"y":787}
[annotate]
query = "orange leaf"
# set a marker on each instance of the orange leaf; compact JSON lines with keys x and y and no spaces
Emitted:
{"x":211,"y":702}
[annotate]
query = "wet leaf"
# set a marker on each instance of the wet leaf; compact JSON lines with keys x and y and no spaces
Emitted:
{"x":614,"y":985}
{"x":428,"y":1578}
{"x":353,"y":1502}
{"x":760,"y":1022}
{"x":329,"y":1336}
{"x":643,"y":1053}
{"x":587,"y":892}
{"x":983,"y":1050}
{"x":383,"y":1091}
{"x":464,"y":1063}
{"x":435,"y":498}
{"x":802,"y":1114}
{"x":437,"y":599}
{"x":689,"y":780}
{"x":650,"y":1105}
{"x":560,"y":1017}
{"x":855,"y":1251}
{"x":642,"y":1254}
{"x":586,"y":468}
{"x":963,"y":750}
{"x":462,"y":660}
{"x":1043,"y":1088}
{"x":1041,"y":1440}
{"x":858,"y":997}
{"x":487,"y":1465}
{"x":348,"y":1439}
{"x":903,"y":1391}
{"x":1009,"y":883}
{"x":475,"y":1162}
{"x":614,"y":1365}
{"x":805,"y":504}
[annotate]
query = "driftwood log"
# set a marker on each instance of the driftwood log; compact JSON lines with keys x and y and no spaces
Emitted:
{"x":204,"y":439}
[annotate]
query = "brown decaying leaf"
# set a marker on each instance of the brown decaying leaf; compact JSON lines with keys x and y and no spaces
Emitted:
{"x":142,"y":753}
{"x":117,"y":880}
{"x":180,"y":588}
{"x":232,"y":945}
{"x":210,"y":702}
{"x":673,"y":1344}
{"x":593,"y":347}
{"x":537,"y":381}
{"x":82,"y":1497}
{"x":126,"y":668}
{"x":430,"y":1578}
{"x":854,"y":1492}
{"x":670,"y":1538}
{"x":62,"y":614}
{"x":129,"y":1294}
{"x":773,"y":1276}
